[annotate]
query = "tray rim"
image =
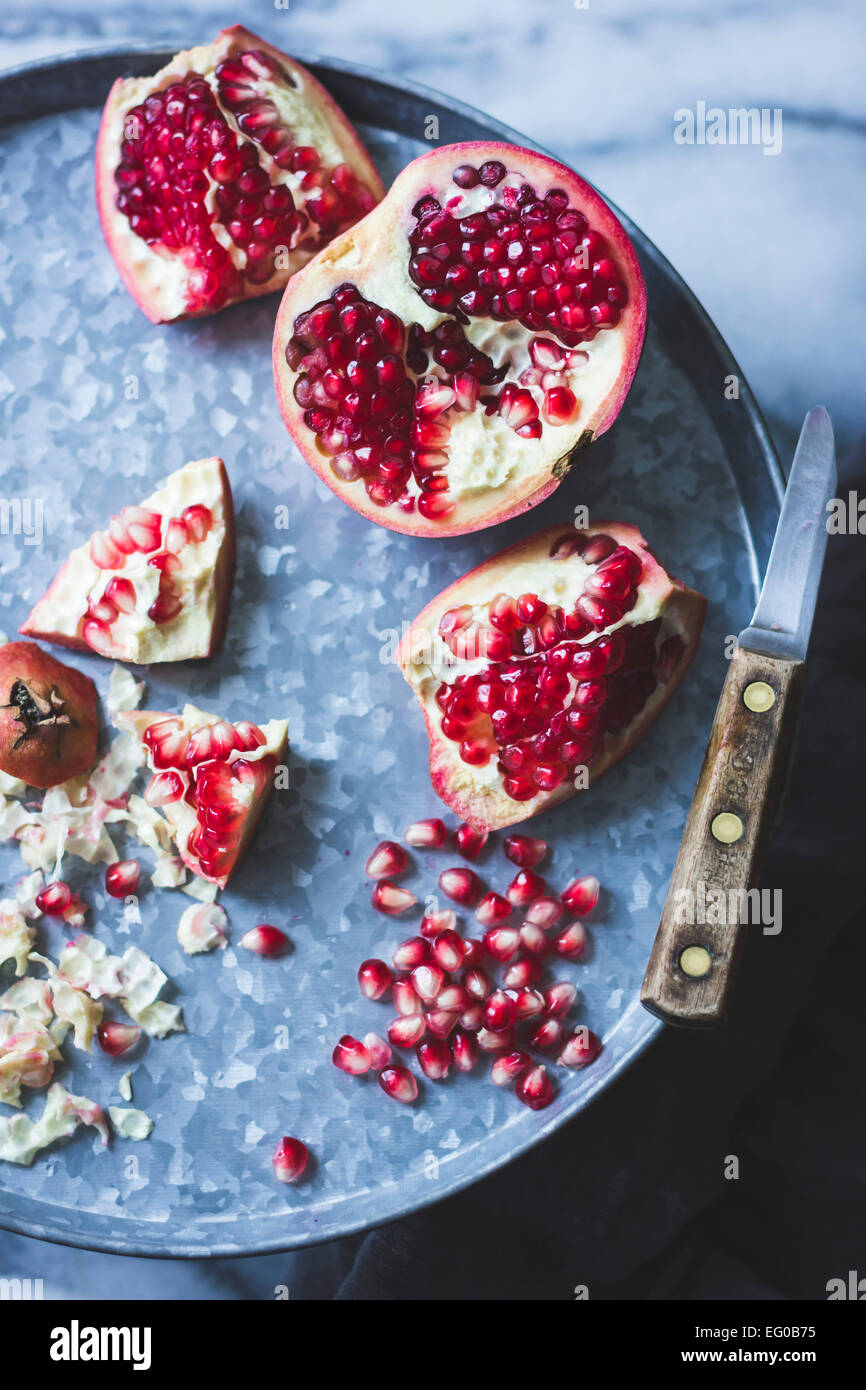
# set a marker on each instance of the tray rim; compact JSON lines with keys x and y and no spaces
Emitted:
{"x":16,"y":82}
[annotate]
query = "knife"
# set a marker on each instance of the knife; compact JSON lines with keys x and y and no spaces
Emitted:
{"x":690,"y":977}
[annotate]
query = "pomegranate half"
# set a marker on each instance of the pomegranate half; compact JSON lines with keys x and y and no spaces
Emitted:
{"x":221,"y":175}
{"x":442,"y":364}
{"x":541,"y":668}
{"x":155,"y":585}
{"x":212,"y":781}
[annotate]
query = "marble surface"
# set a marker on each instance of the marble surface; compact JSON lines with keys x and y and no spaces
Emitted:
{"x":757,"y":238}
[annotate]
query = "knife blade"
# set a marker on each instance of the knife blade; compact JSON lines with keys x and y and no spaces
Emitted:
{"x":782,"y":620}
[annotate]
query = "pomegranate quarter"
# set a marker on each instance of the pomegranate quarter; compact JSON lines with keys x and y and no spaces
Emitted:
{"x":441,"y":364}
{"x":154,"y":586}
{"x":221,"y":175}
{"x":553,"y":657}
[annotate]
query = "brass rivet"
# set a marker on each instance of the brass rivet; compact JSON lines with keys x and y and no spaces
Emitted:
{"x":727,"y":828}
{"x":696,"y":961}
{"x":758,"y":696}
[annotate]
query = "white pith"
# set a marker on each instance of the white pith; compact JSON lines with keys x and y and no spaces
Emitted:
{"x":136,"y":638}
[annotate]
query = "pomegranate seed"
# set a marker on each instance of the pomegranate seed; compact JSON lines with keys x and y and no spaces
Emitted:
{"x":492,"y":909}
{"x":428,"y":980}
{"x":200,"y":746}
{"x":122,"y":594}
{"x":265,"y":940}
{"x":524,"y":851}
{"x":407,"y":1030}
{"x":399,"y":1084}
{"x":434,"y":1057}
{"x":290,"y":1159}
{"x":544,"y":913}
{"x":547,"y":1035}
{"x":98,"y":636}
{"x":440,"y":1022}
{"x":477,"y":983}
{"x":435,"y":924}
{"x":380,"y":1052}
{"x":508,"y":1067}
{"x":473,"y":951}
{"x":122,"y":878}
{"x":351,"y":1055}
{"x":571,"y":943}
{"x":410,"y":953}
{"x":104,"y":553}
{"x":448,"y":950}
{"x":522,"y":974}
{"x":55,"y":898}
{"x":499,"y":1011}
{"x":534,"y":1088}
{"x":472,"y":1018}
{"x":387,"y":858}
{"x":464,"y":1050}
{"x":489,"y":1041}
{"x":502,"y":942}
{"x":470,"y":841}
{"x":248,"y":737}
{"x":404,"y":998}
{"x":163,"y":788}
{"x":524,"y":888}
{"x":460,"y":885}
{"x":533,"y":940}
{"x":176,"y":536}
{"x":581,"y":896}
{"x":116,"y":1039}
{"x":426,"y":834}
{"x":390,"y":899}
{"x":453,"y":997}
{"x":374,"y":977}
{"x":198,"y":521}
{"x":528,"y":1003}
{"x":580,"y":1049}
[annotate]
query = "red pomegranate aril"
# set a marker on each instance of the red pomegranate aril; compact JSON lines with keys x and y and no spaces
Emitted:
{"x":406,"y":1030}
{"x":464,"y":1050}
{"x":460,"y":885}
{"x":533,"y":940}
{"x":427,"y":980}
{"x":380,"y":1052}
{"x":530,"y":608}
{"x":375,"y":978}
{"x":581,"y":896}
{"x":414,"y":951}
{"x":477,"y":982}
{"x":290,"y":1159}
{"x":571,"y":943}
{"x":121,"y":593}
{"x":528,"y":1003}
{"x":559,"y":998}
{"x":387,"y":858}
{"x":404,"y":998}
{"x":426,"y":834}
{"x":473,"y":952}
{"x":434,"y":1058}
{"x":435,"y":924}
{"x":448,"y":950}
{"x":499,"y":1011}
{"x":54,"y":898}
{"x":387,"y":897}
{"x":580,"y":1049}
{"x":535,"y":1089}
{"x":399,"y":1084}
{"x":116,"y":1039}
{"x":524,"y":888}
{"x":524,"y":850}
{"x":547,"y":1035}
{"x":122,"y":878}
{"x":351,"y":1056}
{"x":489,"y":1041}
{"x":522,"y":974}
{"x":472,"y":1018}
{"x":453,"y":997}
{"x":441,"y":1022}
{"x":508,"y":1067}
{"x":163,"y":788}
{"x":265,"y":940}
{"x":544,"y":913}
{"x":104,"y":553}
{"x":470,"y":841}
{"x":502,"y":943}
{"x":492,"y":910}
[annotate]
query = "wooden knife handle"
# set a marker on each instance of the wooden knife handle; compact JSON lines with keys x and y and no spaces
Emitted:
{"x":690,"y":977}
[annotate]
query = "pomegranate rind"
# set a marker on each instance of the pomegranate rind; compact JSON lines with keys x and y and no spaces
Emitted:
{"x":373,"y":255}
{"x":161,"y":283}
{"x":478,"y":800}
{"x":181,"y":818}
{"x":49,"y":753}
{"x":199,"y":630}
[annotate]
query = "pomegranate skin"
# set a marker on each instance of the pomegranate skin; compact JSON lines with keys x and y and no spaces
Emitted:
{"x":48,"y":717}
{"x":382,"y":238}
{"x":179,"y":292}
{"x":485,"y":803}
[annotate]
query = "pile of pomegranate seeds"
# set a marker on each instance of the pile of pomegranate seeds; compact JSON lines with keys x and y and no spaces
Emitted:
{"x":548,"y":698}
{"x":442,"y":986}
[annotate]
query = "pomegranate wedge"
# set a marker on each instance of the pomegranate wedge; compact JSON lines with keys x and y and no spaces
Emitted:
{"x":442,"y":364}
{"x":540,"y":669}
{"x":225,"y":776}
{"x":221,"y":175}
{"x":155,"y":584}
